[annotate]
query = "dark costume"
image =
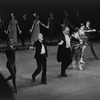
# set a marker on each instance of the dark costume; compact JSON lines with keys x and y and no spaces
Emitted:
{"x":51,"y":22}
{"x":64,"y":55}
{"x":41,"y":60}
{"x":89,"y":42}
{"x":24,"y":31}
{"x":10,"y":64}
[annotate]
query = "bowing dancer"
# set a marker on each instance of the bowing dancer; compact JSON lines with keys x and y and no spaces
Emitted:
{"x":11,"y":64}
{"x":65,"y":51}
{"x":35,"y":29}
{"x":12,"y":29}
{"x":41,"y":54}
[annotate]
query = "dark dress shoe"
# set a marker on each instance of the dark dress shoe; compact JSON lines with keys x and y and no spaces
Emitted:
{"x":64,"y":75}
{"x":43,"y":83}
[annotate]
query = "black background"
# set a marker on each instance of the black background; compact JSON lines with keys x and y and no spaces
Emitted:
{"x":87,"y":9}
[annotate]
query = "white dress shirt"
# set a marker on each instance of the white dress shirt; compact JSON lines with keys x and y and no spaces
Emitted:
{"x":67,"y":39}
{"x":42,"y":49}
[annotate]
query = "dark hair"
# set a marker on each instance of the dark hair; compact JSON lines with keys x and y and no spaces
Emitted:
{"x":76,"y":29}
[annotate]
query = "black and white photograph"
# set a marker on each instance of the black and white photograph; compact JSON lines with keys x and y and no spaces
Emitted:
{"x":49,"y":50}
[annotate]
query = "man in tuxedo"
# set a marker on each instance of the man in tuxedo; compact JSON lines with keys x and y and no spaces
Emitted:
{"x":40,"y":56}
{"x":65,"y":52}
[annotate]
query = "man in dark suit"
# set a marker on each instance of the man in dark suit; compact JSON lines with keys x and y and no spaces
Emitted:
{"x":11,"y":66}
{"x":40,"y":56}
{"x":65,"y":52}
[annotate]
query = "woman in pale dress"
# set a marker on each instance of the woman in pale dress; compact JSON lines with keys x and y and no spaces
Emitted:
{"x":12,"y":29}
{"x":35,"y":29}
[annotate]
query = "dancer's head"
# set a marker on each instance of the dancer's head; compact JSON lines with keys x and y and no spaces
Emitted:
{"x":66,"y":30}
{"x":12,"y":16}
{"x":88,"y":23}
{"x":10,"y":41}
{"x":40,"y":37}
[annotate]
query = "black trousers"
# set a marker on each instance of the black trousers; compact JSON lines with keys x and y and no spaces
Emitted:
{"x":12,"y":69}
{"x":41,"y":66}
{"x":66,"y":60}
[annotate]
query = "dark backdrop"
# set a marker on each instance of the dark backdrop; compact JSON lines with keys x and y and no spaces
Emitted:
{"x":88,"y":10}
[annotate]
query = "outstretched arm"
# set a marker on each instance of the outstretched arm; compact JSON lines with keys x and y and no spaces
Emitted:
{"x":32,"y":27}
{"x":18,"y":28}
{"x":44,"y":25}
{"x":8,"y":28}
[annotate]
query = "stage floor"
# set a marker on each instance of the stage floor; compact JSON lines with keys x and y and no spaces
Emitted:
{"x":79,"y":85}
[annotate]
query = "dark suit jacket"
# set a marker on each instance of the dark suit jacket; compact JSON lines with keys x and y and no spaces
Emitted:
{"x":10,"y":53}
{"x":38,"y":47}
{"x":63,"y":52}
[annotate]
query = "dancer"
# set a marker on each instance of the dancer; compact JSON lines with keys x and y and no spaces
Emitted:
{"x":65,"y":52}
{"x":77,"y":45}
{"x":11,"y":65}
{"x":89,"y":41}
{"x":25,"y":30}
{"x":51,"y":26}
{"x":83,"y":38}
{"x":2,"y":30}
{"x":35,"y":29}
{"x":12,"y":29}
{"x":66,"y":22}
{"x":41,"y":58}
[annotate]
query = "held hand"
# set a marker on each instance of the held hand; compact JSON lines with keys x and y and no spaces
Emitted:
{"x":60,"y":43}
{"x":31,"y":48}
{"x":62,"y":25}
{"x":20,"y":31}
{"x":47,"y":26}
{"x":5,"y":31}
{"x":30,"y":31}
{"x":94,"y":30}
